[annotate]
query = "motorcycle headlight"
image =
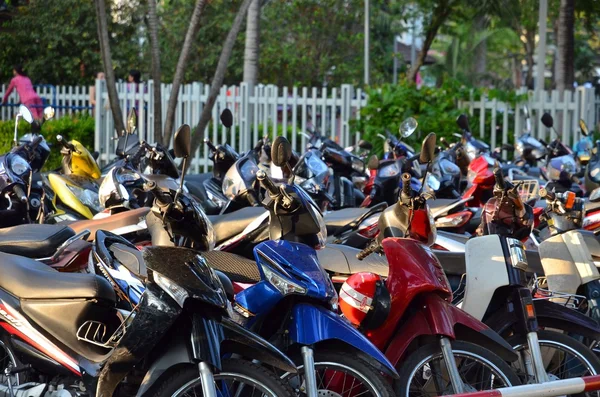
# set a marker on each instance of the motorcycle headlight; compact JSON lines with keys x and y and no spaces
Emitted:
{"x":282,"y":284}
{"x":107,"y":188}
{"x":471,"y":151}
{"x":433,"y":184}
{"x":176,"y":292}
{"x":124,"y":175}
{"x":87,"y":197}
{"x":519,"y":148}
{"x":595,"y":196}
{"x":19,"y":165}
{"x":230,"y":188}
{"x":310,"y":186}
{"x":389,"y":170}
{"x":358,"y":165}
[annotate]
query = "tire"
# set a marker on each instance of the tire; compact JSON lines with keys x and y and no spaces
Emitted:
{"x":187,"y":378}
{"x":349,"y":365}
{"x":589,"y":362}
{"x":463,"y":351}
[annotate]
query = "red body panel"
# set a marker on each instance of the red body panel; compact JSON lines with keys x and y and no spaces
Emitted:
{"x":482,"y":182}
{"x":435,"y":316}
{"x":414,"y":270}
{"x":591,"y":220}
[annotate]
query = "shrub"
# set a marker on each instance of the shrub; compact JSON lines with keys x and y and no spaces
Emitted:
{"x":79,"y":127}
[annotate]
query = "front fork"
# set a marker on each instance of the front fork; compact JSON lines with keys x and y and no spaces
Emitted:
{"x":310,"y":376}
{"x":208,"y":380}
{"x":451,"y":366}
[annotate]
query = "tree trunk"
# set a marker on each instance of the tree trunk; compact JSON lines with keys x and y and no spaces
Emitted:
{"x":180,"y":70}
{"x":529,"y":51}
{"x":480,"y":67}
{"x":440,"y":14}
{"x":155,"y":54}
{"x":565,"y":67}
{"x":109,"y":73}
{"x":217,"y":80}
{"x":251,"y":52}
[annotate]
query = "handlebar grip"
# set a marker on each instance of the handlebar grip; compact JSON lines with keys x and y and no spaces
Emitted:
{"x":499,"y":178}
{"x":20,"y":193}
{"x":372,"y":247}
{"x":37,"y":141}
{"x":210,"y":145}
{"x":267,"y":183}
{"x":259,"y":145}
{"x":547,"y":195}
{"x":406,"y":183}
{"x":140,"y":152}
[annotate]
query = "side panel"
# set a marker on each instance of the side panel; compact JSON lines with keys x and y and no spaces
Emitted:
{"x":313,"y":324}
{"x":581,"y":256}
{"x":59,"y":186}
{"x":550,"y":314}
{"x":486,"y":272}
{"x":560,"y":269}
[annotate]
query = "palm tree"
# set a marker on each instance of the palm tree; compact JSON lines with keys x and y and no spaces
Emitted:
{"x":251,"y":52}
{"x":109,"y":72}
{"x":219,"y":75}
{"x":565,"y":62}
{"x":180,"y":69}
{"x":155,"y":55}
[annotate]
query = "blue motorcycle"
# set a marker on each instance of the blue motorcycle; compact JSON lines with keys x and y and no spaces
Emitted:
{"x":291,"y":302}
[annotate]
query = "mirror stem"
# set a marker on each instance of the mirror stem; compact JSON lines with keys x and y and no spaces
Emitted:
{"x":16,"y":137}
{"x":181,"y":178}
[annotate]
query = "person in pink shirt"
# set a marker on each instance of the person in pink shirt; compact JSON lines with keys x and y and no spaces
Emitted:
{"x":27,"y":94}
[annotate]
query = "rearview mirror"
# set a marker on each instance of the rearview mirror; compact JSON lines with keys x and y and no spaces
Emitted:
{"x":373,"y":163}
{"x":25,"y":114}
{"x":547,"y":120}
{"x":526,"y":111}
{"x":408,"y":126}
{"x":132,"y":121}
{"x":365,"y":145}
{"x":182,"y":143}
{"x":227,"y":118}
{"x":583,"y":126}
{"x":428,"y":148}
{"x":463,"y":122}
{"x":281,"y":151}
{"x":48,"y":112}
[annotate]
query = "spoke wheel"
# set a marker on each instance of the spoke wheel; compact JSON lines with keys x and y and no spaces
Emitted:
{"x":424,"y":372}
{"x":340,"y":374}
{"x":564,"y":358}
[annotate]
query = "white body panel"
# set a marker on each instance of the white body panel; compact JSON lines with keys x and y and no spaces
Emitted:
{"x":486,"y":272}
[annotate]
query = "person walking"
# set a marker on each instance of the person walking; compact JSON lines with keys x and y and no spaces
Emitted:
{"x":27,"y":94}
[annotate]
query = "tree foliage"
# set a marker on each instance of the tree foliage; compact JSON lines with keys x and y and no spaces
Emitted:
{"x":57,"y":41}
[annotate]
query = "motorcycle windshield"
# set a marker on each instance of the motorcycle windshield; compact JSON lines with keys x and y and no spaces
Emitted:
{"x":311,"y":166}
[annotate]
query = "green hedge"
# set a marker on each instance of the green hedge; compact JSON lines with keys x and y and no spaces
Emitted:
{"x":79,"y":126}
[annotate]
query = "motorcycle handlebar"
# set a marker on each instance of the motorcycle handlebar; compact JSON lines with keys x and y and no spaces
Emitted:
{"x":406,"y":183}
{"x":368,"y":251}
{"x":547,"y":195}
{"x":499,"y":178}
{"x":140,"y":152}
{"x":267,"y":183}
{"x":65,"y":144}
{"x":20,"y":193}
{"x":210,"y":145}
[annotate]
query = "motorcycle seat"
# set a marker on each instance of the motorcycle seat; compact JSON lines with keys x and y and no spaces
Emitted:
{"x":435,"y":206}
{"x":33,"y":240}
{"x":454,"y":263}
{"x":237,"y":268}
{"x":110,"y":223}
{"x":27,"y":278}
{"x":233,"y":223}
{"x":341,"y":260}
{"x":335,"y":220}
{"x":591,"y":206}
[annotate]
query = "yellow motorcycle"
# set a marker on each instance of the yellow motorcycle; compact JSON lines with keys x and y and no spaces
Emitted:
{"x":74,"y":191}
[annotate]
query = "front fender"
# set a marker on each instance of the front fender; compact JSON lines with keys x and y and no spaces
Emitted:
{"x":239,"y":340}
{"x":553,"y":315}
{"x":314,"y":324}
{"x":436,"y":317}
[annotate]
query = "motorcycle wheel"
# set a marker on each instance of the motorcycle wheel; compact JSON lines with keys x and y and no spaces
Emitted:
{"x":341,"y":374}
{"x":570,"y":359}
{"x":423,"y":372}
{"x":235,"y":375}
{"x":8,"y":358}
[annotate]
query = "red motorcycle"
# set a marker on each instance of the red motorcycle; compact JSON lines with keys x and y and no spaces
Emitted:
{"x":437,"y":348}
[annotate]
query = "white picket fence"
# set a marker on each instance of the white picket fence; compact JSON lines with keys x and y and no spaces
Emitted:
{"x":270,"y":111}
{"x":579,"y":104}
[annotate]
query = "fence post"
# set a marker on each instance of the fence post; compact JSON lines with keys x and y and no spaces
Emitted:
{"x":345,"y":114}
{"x":98,"y":117}
{"x":482,"y":101}
{"x":245,"y":115}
